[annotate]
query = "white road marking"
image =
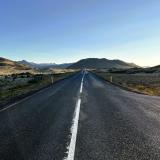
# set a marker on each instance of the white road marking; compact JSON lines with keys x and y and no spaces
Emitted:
{"x":24,"y":99}
{"x":14,"y":104}
{"x":81,"y":88}
{"x":74,"y":128}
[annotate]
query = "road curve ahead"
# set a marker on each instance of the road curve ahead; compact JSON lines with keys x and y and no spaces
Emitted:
{"x":82,"y":118}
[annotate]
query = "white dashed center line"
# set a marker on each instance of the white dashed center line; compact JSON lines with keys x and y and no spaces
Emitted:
{"x":74,"y":128}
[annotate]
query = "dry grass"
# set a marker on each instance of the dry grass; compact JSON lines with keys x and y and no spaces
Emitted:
{"x":58,"y":70}
{"x":8,"y":70}
{"x":144,"y":83}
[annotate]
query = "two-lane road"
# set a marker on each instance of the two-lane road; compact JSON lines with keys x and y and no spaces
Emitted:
{"x":82,"y":118}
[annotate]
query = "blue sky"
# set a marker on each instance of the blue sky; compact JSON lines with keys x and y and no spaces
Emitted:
{"x":68,"y":30}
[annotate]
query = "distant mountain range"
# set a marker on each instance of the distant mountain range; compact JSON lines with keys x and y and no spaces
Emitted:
{"x":95,"y":63}
{"x":90,"y":63}
{"x":45,"y":65}
{"x":9,"y":67}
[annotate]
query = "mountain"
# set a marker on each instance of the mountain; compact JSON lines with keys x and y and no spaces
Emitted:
{"x":8,"y":66}
{"x":95,"y":63}
{"x":31,"y":64}
{"x":37,"y":65}
{"x":45,"y":65}
{"x":155,"y":69}
{"x":64,"y":65}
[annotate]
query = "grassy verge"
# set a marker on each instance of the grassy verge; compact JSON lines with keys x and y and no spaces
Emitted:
{"x":9,"y":92}
{"x":143,"y":83}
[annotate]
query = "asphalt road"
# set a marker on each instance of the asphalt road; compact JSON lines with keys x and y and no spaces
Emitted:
{"x":82,"y":118}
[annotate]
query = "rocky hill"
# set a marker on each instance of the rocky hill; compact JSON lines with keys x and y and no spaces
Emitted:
{"x":95,"y":63}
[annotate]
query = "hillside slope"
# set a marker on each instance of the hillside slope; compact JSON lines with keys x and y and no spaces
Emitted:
{"x":155,"y":69}
{"x":95,"y":63}
{"x":9,"y":67}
